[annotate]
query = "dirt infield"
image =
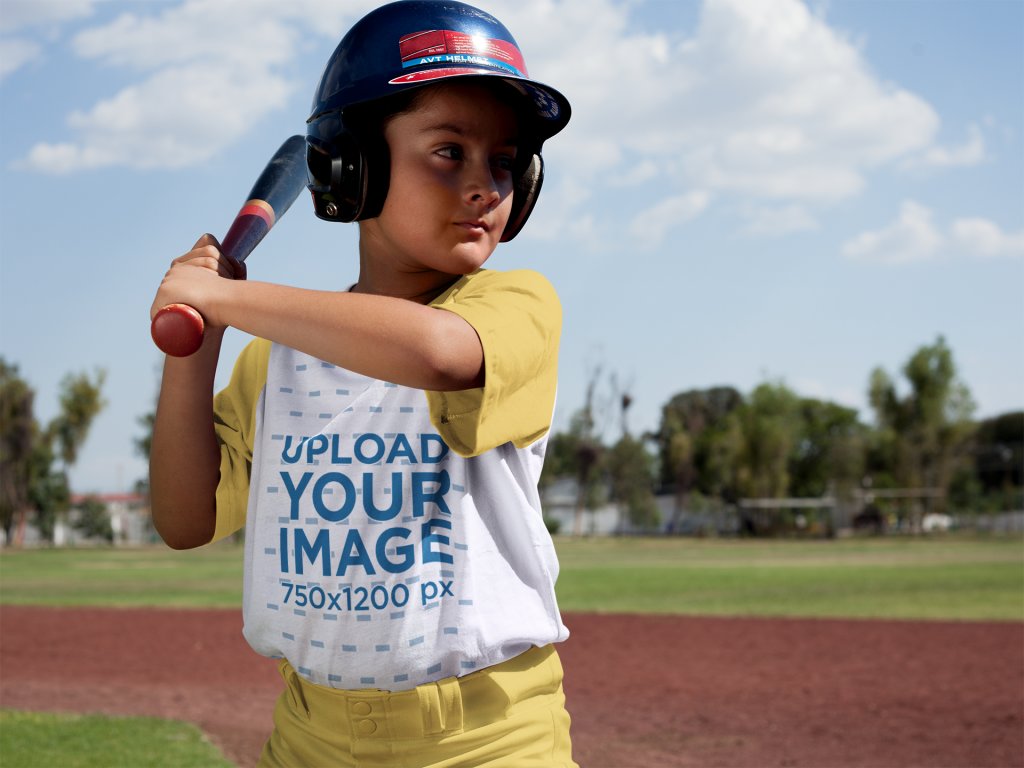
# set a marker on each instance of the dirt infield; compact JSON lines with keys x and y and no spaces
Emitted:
{"x":643,"y":691}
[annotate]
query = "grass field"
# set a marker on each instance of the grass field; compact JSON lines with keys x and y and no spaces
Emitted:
{"x":904,"y":578}
{"x":34,"y":740}
{"x":956,"y":577}
{"x":910,"y":578}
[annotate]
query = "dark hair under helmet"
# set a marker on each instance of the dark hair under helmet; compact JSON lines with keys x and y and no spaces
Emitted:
{"x":402,"y":46}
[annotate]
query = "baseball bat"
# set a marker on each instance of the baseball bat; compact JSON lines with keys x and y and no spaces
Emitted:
{"x":177,"y":329}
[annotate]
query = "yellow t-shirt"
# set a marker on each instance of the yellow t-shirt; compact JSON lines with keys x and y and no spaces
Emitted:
{"x":518,"y":319}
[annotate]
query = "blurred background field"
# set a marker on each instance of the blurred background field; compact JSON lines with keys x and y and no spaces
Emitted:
{"x":947,"y":576}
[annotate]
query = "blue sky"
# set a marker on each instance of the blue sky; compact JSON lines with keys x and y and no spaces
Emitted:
{"x":748,"y":191}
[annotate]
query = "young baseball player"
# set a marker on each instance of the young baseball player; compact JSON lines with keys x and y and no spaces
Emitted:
{"x":382,"y":443}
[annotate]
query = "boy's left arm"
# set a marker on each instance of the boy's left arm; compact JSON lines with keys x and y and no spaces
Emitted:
{"x":382,"y":337}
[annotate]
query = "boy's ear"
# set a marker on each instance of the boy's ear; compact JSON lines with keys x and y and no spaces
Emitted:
{"x":524,"y":196}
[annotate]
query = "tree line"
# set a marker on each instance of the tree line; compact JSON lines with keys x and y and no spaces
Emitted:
{"x":713,"y":446}
{"x":716,"y":446}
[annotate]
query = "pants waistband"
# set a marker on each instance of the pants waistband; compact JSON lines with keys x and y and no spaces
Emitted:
{"x":441,"y":708}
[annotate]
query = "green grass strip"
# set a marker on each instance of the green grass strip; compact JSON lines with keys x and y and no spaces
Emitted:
{"x":210,"y":577}
{"x":969,"y":579}
{"x":941,"y":577}
{"x":37,"y":740}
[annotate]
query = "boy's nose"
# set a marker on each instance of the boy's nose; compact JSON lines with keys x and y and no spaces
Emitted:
{"x":489,"y":198}
{"x":482,"y":188}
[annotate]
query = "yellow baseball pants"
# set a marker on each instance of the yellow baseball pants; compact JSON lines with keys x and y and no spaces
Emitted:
{"x":512,"y":714}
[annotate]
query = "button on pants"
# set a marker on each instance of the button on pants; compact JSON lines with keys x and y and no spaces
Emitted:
{"x":512,"y":714}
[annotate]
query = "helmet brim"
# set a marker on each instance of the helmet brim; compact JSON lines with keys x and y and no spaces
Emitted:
{"x":549,"y":109}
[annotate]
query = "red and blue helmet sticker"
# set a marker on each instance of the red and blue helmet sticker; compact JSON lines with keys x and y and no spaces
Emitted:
{"x":443,"y":47}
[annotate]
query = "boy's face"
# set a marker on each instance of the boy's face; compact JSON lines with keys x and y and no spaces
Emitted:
{"x":450,"y":195}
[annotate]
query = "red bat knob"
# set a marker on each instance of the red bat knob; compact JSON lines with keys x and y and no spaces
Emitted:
{"x":177,"y":330}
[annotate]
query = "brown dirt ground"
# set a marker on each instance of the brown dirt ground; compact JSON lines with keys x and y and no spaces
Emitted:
{"x":643,"y":691}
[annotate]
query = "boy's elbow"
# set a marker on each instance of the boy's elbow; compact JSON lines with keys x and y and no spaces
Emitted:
{"x":180,"y":530}
{"x":181,"y":542}
{"x":453,"y":361}
{"x":447,"y":372}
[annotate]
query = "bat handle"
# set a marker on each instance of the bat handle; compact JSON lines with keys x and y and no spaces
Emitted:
{"x":177,"y":330}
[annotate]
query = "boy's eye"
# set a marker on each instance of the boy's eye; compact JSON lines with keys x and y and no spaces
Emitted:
{"x":505,"y":162}
{"x":452,"y":153}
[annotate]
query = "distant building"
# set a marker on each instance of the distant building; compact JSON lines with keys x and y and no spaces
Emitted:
{"x":559,"y":503}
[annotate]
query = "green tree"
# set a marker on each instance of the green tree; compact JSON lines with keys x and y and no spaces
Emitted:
{"x":720,"y":477}
{"x":769,"y":422}
{"x":994,"y":479}
{"x":631,"y":476}
{"x":81,"y":401}
{"x":143,"y":446}
{"x":49,"y":492}
{"x":580,"y":452}
{"x":587,"y":461}
{"x":924,"y":434}
{"x":36,"y":460}
{"x":93,"y":519}
{"x":18,"y":439}
{"x":692,"y":442}
{"x":829,"y":452}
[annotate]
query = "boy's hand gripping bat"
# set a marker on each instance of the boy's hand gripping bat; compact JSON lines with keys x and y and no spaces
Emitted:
{"x":178,"y":328}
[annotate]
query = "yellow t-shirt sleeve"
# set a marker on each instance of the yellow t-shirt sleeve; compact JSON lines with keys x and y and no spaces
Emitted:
{"x":518,"y":317}
{"x":234,"y":410}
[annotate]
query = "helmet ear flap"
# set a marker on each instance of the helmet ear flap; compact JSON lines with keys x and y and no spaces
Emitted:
{"x":348,"y":177}
{"x":524,"y":196}
{"x":338,"y":178}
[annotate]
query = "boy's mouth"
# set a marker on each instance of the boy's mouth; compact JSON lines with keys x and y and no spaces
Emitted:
{"x":475,"y":225}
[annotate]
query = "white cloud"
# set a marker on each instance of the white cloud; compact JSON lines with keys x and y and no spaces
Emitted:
{"x":16,"y":53}
{"x":17,"y":14}
{"x":984,"y":238}
{"x":205,"y":80}
{"x":137,"y":128}
{"x":650,"y":227}
{"x":911,"y":237}
{"x":562,"y":210}
{"x":778,"y":221}
{"x":788,"y":108}
{"x":970,"y":153}
{"x":645,"y":170}
{"x":914,"y":237}
{"x":196,"y":31}
{"x":31,"y":16}
{"x":763,"y":100}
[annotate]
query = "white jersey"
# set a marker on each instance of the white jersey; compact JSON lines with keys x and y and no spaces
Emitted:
{"x":379,"y":553}
{"x":376,"y":556}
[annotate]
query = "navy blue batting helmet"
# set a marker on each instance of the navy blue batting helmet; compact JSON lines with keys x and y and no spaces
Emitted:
{"x":406,"y":45}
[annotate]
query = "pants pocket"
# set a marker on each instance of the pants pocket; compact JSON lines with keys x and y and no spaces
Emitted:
{"x":293,"y":690}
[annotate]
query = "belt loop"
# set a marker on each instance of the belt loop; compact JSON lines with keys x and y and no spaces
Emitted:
{"x":441,"y":707}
